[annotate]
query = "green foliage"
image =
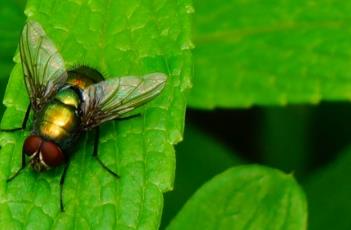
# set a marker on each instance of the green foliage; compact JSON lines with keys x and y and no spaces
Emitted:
{"x":270,"y":53}
{"x":245,"y":197}
{"x":247,"y":53}
{"x":285,"y":141}
{"x":329,"y":195}
{"x":199,"y":158}
{"x":12,"y":17}
{"x":117,"y":38}
{"x":11,"y":13}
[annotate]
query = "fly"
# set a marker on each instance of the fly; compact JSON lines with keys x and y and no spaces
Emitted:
{"x":68,"y":103}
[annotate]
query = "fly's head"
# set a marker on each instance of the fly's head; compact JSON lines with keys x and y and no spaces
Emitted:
{"x":43,"y":154}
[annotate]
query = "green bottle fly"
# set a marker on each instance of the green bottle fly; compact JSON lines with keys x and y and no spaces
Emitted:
{"x":67,"y":103}
{"x":58,"y":123}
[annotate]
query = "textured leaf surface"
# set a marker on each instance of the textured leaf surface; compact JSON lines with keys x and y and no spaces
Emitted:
{"x":118,"y":38}
{"x":328,"y":193}
{"x":199,"y":158}
{"x":245,"y":197}
{"x":270,"y":53}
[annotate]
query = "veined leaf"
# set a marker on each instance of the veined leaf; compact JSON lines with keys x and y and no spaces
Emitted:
{"x":328,"y":193}
{"x":245,"y":197}
{"x":270,"y":53}
{"x":118,"y":38}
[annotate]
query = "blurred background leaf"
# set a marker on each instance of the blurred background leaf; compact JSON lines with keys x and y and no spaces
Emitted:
{"x":11,"y":22}
{"x":245,"y":197}
{"x":270,"y":53}
{"x":199,"y":158}
{"x":285,"y":139}
{"x":328,"y":191}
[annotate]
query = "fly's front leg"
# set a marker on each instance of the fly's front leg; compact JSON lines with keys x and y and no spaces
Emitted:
{"x":23,"y":165}
{"x":96,"y":151}
{"x":24,"y":122}
{"x":23,"y":159}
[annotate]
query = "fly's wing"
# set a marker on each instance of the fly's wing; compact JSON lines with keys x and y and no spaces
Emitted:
{"x":115,"y":97}
{"x":43,"y":67}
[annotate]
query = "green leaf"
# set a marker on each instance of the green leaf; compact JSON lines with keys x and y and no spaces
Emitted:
{"x":328,"y":192}
{"x":245,"y":197}
{"x":199,"y":158}
{"x":11,"y":20}
{"x":118,"y":38}
{"x":270,"y":53}
{"x":285,"y":138}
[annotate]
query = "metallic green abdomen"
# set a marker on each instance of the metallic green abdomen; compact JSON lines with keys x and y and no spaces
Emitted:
{"x":59,"y":120}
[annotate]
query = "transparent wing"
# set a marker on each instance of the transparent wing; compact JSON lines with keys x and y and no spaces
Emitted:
{"x":43,"y":67}
{"x":115,"y":97}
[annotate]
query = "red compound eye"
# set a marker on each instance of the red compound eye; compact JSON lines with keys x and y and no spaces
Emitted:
{"x":31,"y":145}
{"x":52,"y":154}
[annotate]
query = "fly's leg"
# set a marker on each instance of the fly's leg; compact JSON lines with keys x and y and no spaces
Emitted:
{"x":96,"y":145}
{"x":96,"y":151}
{"x":23,"y":165}
{"x":62,"y":181}
{"x":24,"y":123}
{"x":127,"y":118}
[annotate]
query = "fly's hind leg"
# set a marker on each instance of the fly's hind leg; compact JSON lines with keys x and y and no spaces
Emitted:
{"x":96,"y":145}
{"x":24,"y":122}
{"x":62,"y":181}
{"x":96,"y":151}
{"x":128,"y":118}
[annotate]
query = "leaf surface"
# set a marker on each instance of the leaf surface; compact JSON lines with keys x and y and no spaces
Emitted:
{"x":245,"y":197}
{"x":270,"y":53}
{"x":117,"y":38}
